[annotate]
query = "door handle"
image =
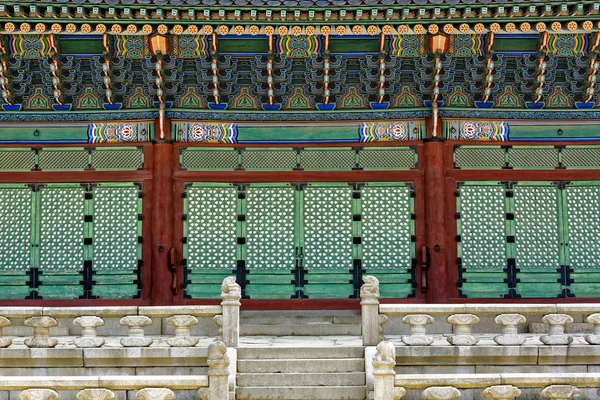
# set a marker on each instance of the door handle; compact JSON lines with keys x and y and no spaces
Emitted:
{"x":424,"y":268}
{"x":171,"y":262}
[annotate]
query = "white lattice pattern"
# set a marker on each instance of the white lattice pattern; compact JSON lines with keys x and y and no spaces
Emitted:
{"x":212,"y":228}
{"x":61,"y":248}
{"x":270,"y":235}
{"x":115,"y":228}
{"x":482,"y":219}
{"x":15,"y":228}
{"x":583,"y":207}
{"x":536,"y":222}
{"x":328,"y":228}
{"x":386,"y":227}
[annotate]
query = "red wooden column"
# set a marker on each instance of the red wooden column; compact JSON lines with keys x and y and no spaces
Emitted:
{"x":162,"y":292}
{"x":435,"y":216}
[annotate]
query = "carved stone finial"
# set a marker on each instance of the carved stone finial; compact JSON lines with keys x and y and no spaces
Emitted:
{"x":441,"y":393}
{"x":41,"y":332}
{"x":462,"y":329}
{"x":593,"y":338}
{"x":39,"y":394}
{"x":560,"y":392}
{"x":501,"y":392}
{"x":96,"y":394}
{"x":230,"y":290}
{"x":386,"y":353}
{"x":218,"y":320}
{"x":88,"y":325}
{"x":217,"y":357}
{"x":136,"y":324}
{"x":4,"y":342}
{"x":510,"y":336}
{"x":155,"y":394}
{"x":417,"y":335}
{"x":369,"y":291}
{"x":183,"y":325}
{"x":557,"y":324}
{"x":218,"y":373}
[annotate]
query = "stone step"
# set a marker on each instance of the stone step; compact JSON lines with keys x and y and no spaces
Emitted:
{"x":302,"y":365}
{"x":301,"y":379}
{"x":301,"y":330}
{"x":265,"y":353}
{"x":267,"y":319}
{"x":301,"y":393}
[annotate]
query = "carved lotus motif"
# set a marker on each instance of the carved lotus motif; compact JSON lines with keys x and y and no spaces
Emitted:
{"x":136,"y":321}
{"x":593,"y":318}
{"x":557,"y":319}
{"x":88,"y":321}
{"x":38,"y":394}
{"x":155,"y":394}
{"x":41,"y":322}
{"x":96,"y":394}
{"x":418,"y":319}
{"x":560,"y":392}
{"x":501,"y":392}
{"x":510,"y":319}
{"x":463,"y":319}
{"x":441,"y":393}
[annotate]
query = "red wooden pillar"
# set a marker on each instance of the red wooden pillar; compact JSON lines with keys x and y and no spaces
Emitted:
{"x":435,"y":219}
{"x":163,"y":283}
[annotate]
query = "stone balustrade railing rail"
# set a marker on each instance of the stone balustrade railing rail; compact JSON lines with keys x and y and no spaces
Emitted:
{"x":389,"y":386}
{"x":215,"y":386}
{"x":182,"y":318}
{"x":464,"y":317}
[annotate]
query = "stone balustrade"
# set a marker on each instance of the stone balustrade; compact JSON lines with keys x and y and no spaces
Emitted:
{"x":135,"y":319}
{"x":215,"y":386}
{"x":389,"y":386}
{"x":463,"y":321}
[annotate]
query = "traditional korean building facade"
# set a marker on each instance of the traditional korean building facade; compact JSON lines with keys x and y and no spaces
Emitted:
{"x":299,"y":199}
{"x":150,"y":149}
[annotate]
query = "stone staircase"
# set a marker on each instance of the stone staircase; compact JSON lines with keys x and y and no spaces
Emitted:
{"x":301,"y":373}
{"x":281,"y":367}
{"x":300,"y":323}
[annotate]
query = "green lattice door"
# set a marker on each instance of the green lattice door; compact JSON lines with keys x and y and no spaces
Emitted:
{"x":581,"y":211}
{"x":69,"y":241}
{"x":311,"y":240}
{"x":528,"y":239}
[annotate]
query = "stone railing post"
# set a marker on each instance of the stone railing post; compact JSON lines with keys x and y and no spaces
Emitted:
{"x":4,"y":342}
{"x":384,"y":362}
{"x":417,"y":335}
{"x":510,"y":336}
{"x":41,"y":332}
{"x":369,"y":303}
{"x":39,"y":394}
{"x":218,"y":373}
{"x":155,"y":394}
{"x":441,"y":393}
{"x":501,"y":392}
{"x":557,"y":324}
{"x":136,"y":324}
{"x":88,"y":327}
{"x":593,"y":338}
{"x":462,"y":329}
{"x":183,"y":326}
{"x":96,"y":394}
{"x":231,"y":293}
{"x":560,"y":392}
